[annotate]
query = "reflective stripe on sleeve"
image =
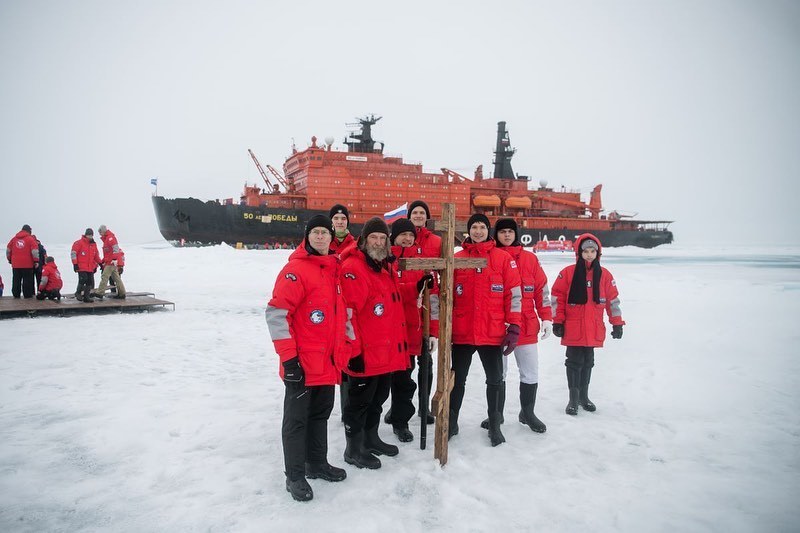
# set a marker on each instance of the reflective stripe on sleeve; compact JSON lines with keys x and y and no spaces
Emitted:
{"x":277,"y":322}
{"x":516,"y":299}
{"x":615,"y":308}
{"x":546,"y":296}
{"x":434,"y":307}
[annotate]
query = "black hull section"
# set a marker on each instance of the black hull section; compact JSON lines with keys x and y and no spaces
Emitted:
{"x":192,"y":222}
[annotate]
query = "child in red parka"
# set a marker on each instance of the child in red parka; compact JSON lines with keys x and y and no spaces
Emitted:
{"x":51,"y":283}
{"x":581,"y":293}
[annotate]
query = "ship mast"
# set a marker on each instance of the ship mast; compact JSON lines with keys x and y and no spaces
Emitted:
{"x":362,"y":141}
{"x":503,"y":154}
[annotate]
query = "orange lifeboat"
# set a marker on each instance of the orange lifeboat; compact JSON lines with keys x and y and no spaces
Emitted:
{"x":518,"y":202}
{"x":491,"y":200}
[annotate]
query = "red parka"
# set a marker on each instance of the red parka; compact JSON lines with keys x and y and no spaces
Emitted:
{"x":376,"y":322}
{"x":51,"y":278}
{"x":306,"y":316}
{"x":111,"y":251}
{"x":85,"y":254}
{"x":485,"y":299}
{"x":339,"y":247}
{"x":535,"y":293}
{"x":408,"y":291}
{"x":22,"y":250}
{"x":583,"y":323}
{"x":430,"y":243}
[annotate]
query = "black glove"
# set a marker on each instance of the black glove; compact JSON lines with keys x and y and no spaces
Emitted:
{"x":356,"y":364}
{"x":75,"y":268}
{"x":616,"y":332}
{"x":119,"y":269}
{"x":36,"y":266}
{"x":558,"y":330}
{"x":426,"y":280}
{"x":292,"y":371}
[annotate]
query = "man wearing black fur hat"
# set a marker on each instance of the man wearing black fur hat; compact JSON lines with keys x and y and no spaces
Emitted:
{"x":487,"y":305}
{"x":376,"y":336}
{"x":306,"y":322}
{"x":580,"y":294}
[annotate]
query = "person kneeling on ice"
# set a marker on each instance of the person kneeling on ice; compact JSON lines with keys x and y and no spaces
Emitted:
{"x":535,"y":306}
{"x":376,"y":336}
{"x":580,"y":295}
{"x":306,"y":321}
{"x":51,"y":283}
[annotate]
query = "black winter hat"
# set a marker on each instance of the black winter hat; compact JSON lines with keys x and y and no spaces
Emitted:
{"x":374,"y":225}
{"x":319,"y":221}
{"x":89,"y":232}
{"x":339,"y":208}
{"x":26,"y":228}
{"x":418,"y":203}
{"x":399,"y":226}
{"x":478,"y":217}
{"x":506,"y":223}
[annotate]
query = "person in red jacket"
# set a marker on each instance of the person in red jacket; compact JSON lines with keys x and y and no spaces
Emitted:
{"x":412,"y":283}
{"x":580,"y":295}
{"x":431,"y":246}
{"x":487,"y":307}
{"x":51,"y":282}
{"x":535,"y":307}
{"x":85,"y":260}
{"x":111,"y":255}
{"x":306,"y":322}
{"x":120,"y":268}
{"x":376,"y":336}
{"x":22,"y":253}
{"x":342,"y":238}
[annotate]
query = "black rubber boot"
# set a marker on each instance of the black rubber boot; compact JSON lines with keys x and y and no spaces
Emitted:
{"x":501,"y":405}
{"x":356,"y":455}
{"x":300,"y":490}
{"x":583,"y":399}
{"x":325,"y":471}
{"x":387,"y":418}
{"x":403,"y":434}
{"x":374,"y":444}
{"x":573,"y":380}
{"x":493,"y":400}
{"x":452,"y":429}
{"x":527,"y":399}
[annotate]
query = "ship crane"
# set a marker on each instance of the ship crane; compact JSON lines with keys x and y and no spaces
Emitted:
{"x":278,"y":177}
{"x":271,"y":187}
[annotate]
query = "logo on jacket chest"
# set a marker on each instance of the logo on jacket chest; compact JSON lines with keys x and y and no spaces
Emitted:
{"x":317,"y":316}
{"x":527,"y":288}
{"x":378,"y":310}
{"x":497,"y":287}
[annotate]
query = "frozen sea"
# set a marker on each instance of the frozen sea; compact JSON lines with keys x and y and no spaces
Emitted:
{"x":170,"y":421}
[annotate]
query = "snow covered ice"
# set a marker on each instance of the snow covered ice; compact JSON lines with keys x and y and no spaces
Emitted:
{"x":170,"y":421}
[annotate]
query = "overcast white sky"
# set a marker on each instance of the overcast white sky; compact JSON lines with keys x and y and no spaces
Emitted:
{"x":685,"y":110}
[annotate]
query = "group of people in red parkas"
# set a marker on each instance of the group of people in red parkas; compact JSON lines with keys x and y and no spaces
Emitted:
{"x":341,"y":313}
{"x":29,"y":261}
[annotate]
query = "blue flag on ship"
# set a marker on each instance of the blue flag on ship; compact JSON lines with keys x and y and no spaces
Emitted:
{"x":154,"y":181}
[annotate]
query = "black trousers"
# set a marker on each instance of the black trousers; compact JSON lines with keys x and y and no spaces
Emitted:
{"x":50,"y":295}
{"x":305,"y":426}
{"x":85,"y":284}
{"x":492,"y":359}
{"x":365,"y":398}
{"x":579,"y":357}
{"x":403,"y":388}
{"x":22,"y":282}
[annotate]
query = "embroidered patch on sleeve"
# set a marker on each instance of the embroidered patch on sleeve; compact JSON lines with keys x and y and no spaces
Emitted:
{"x":350,"y":275}
{"x":291,"y":276}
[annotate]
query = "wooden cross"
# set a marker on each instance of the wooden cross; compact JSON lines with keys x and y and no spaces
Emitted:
{"x":445,"y":377}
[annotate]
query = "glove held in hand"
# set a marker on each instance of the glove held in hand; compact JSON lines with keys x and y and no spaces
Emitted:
{"x":558,"y":330}
{"x":356,"y":364}
{"x":616,"y":332}
{"x":292,"y":371}
{"x":511,"y":339}
{"x":427,"y":279}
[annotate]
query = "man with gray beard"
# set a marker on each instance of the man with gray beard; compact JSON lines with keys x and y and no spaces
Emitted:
{"x":376,"y":337}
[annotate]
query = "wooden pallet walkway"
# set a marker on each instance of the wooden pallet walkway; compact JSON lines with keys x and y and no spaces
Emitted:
{"x":135,"y":301}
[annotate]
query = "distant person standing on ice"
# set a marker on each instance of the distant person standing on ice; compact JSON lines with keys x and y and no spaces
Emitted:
{"x":85,"y":260}
{"x":487,"y":305}
{"x":581,"y":293}
{"x":306,"y":319}
{"x":535,"y":307}
{"x":51,"y":282}
{"x":111,"y":257}
{"x":376,"y":337}
{"x":22,"y":253}
{"x":431,"y":244}
{"x":342,"y":238}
